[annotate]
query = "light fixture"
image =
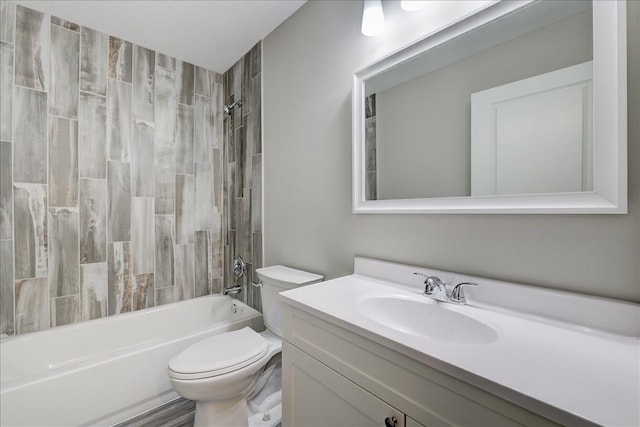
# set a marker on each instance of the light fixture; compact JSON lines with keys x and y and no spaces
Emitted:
{"x":372,"y":18}
{"x":412,"y":5}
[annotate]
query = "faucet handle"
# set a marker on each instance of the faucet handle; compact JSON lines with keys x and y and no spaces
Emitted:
{"x":431,"y":283}
{"x":457,"y":295}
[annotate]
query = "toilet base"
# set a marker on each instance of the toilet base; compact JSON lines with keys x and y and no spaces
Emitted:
{"x":225,"y":413}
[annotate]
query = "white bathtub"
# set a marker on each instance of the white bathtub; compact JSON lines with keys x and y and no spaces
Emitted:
{"x":105,"y":371}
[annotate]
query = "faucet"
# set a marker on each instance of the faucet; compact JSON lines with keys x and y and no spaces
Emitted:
{"x":436,"y":288}
{"x":234,"y":290}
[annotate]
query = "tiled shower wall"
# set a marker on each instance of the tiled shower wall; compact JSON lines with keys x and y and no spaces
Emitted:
{"x":243,"y":172}
{"x":111,"y":174}
{"x":371,"y":174}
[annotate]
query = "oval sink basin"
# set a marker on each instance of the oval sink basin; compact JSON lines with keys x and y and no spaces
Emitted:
{"x":425,"y":318}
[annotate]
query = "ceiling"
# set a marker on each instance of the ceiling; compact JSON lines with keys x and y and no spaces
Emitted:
{"x":210,"y":33}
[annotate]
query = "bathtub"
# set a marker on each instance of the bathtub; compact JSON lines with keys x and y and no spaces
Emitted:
{"x":105,"y":371}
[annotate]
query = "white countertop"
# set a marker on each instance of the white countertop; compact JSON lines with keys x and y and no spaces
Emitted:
{"x":567,"y":372}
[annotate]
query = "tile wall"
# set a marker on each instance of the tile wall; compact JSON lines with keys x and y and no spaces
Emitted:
{"x":112,"y":172}
{"x":243,"y":172}
{"x":370,"y":135}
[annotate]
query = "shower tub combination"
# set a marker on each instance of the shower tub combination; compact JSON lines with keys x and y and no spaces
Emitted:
{"x":108,"y":370}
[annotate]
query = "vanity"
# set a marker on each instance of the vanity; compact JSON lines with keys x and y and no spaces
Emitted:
{"x":372,"y":349}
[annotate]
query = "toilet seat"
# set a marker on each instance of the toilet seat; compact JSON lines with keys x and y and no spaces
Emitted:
{"x":219,"y":355}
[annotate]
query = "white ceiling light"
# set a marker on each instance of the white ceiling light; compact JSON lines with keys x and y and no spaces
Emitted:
{"x":412,"y":5}
{"x":372,"y":18}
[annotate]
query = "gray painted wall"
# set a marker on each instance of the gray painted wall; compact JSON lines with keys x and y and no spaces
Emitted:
{"x":308,"y":67}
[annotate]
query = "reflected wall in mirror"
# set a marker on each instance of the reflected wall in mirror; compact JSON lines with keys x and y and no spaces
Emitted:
{"x":496,"y":114}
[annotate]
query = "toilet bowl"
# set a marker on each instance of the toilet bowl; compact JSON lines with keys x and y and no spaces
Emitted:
{"x":234,"y":377}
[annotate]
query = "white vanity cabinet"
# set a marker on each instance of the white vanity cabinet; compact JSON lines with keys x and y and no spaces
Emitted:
{"x":334,"y":377}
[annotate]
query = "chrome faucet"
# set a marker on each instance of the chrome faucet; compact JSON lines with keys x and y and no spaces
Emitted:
{"x":234,"y":290}
{"x":457,"y":294}
{"x":436,"y":288}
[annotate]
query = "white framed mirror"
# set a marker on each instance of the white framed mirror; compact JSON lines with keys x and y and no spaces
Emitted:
{"x":518,"y":108}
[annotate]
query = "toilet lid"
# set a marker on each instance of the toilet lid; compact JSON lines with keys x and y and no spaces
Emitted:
{"x":219,"y":354}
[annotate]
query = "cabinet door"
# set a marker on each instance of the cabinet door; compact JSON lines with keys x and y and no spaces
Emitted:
{"x":313,"y":395}
{"x":412,"y":423}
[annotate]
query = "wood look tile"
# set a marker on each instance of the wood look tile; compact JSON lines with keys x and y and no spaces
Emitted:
{"x":218,"y":179}
{"x":217,"y":255}
{"x":184,"y":140}
{"x":256,"y":195}
{"x":203,"y":180}
{"x":119,"y":121}
{"x":241,"y":162}
{"x":119,"y":287}
{"x":165,"y":61}
{"x":185,"y":274}
{"x":120,"y":59}
{"x":176,"y":413}
{"x":6,"y":88}
{"x":256,"y":59}
{"x":143,"y":291}
{"x":254,"y":123}
{"x":202,"y":82}
{"x":142,"y":159}
{"x":72,"y":26}
{"x":245,"y":228}
{"x":164,"y":257}
{"x":184,"y":82}
{"x":185,"y":203}
{"x":64,"y":258}
{"x":229,"y":135}
{"x":143,"y":239}
{"x":230,"y":253}
{"x":7,"y":21}
{"x":30,"y":136}
{"x":230,"y":198}
{"x":92,"y":129}
{"x":63,"y":162}
{"x":203,"y":134}
{"x":6,"y":191}
{"x":238,"y":93}
{"x":65,"y":310}
{"x":246,"y":94}
{"x":165,"y":172}
{"x":257,"y":251}
{"x":203,"y":263}
{"x":217,"y":100}
{"x":93,"y":221}
{"x":165,"y":295}
{"x":144,"y":64}
{"x":32,"y":42}
{"x":94,"y":56}
{"x":93,"y":290}
{"x":65,"y":69}
{"x":30,"y":230}
{"x":32,"y":305}
{"x":119,"y":202}
{"x":247,"y":163}
{"x":165,"y":105}
{"x":7,"y":319}
{"x":216,"y":285}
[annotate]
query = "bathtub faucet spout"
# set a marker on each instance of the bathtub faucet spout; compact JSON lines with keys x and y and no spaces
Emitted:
{"x":234,"y":290}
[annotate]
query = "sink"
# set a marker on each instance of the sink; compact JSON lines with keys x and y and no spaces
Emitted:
{"x":425,"y":317}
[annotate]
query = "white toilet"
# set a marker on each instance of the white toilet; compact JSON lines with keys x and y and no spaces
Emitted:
{"x":235,"y":377}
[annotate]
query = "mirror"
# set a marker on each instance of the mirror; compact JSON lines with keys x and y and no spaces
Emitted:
{"x":519,"y":108}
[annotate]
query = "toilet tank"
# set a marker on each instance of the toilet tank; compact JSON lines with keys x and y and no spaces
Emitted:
{"x":276,"y":279}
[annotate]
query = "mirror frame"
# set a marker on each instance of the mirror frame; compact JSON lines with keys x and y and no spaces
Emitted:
{"x":609,"y":126}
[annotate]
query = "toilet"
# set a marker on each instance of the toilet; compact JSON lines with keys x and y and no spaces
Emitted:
{"x":235,"y":377}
